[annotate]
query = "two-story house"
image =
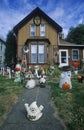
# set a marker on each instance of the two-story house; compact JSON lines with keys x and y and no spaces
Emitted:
{"x":2,"y":51}
{"x":41,"y":35}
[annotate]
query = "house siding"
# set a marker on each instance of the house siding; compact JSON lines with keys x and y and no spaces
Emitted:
{"x":51,"y":34}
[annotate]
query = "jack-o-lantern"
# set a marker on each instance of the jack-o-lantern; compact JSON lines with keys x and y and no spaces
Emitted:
{"x":66,"y":85}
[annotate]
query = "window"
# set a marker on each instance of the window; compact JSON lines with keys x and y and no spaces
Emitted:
{"x":42,"y":30}
{"x":33,"y":53}
{"x":75,"y":54}
{"x":37,"y":53}
{"x":41,"y":53}
{"x":0,"y":59}
{"x":32,"y":30}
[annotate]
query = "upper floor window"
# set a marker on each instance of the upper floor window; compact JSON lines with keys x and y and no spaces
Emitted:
{"x":32,"y":30}
{"x":75,"y":54}
{"x":42,"y":30}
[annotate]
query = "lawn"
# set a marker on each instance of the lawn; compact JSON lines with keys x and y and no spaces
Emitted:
{"x":9,"y":93}
{"x":69,"y":103}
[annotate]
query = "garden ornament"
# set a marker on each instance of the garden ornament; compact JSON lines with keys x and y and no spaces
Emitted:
{"x":65,"y":81}
{"x":17,"y":73}
{"x":33,"y":111}
{"x":42,"y":81}
{"x":30,"y":84}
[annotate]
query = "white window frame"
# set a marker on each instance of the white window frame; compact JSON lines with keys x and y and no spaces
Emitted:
{"x":72,"y":55}
{"x":32,"y":30}
{"x":42,"y":30}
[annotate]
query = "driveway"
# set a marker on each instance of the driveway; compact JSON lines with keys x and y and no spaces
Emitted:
{"x":17,"y":119}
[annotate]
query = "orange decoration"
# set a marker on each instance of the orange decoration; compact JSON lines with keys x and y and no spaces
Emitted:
{"x":76,"y":64}
{"x":79,"y":76}
{"x":66,"y":85}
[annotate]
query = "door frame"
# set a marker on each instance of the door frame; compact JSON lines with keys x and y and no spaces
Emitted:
{"x":61,"y":64}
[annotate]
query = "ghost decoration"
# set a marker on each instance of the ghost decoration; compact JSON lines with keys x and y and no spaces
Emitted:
{"x":30,"y":84}
{"x":65,"y":81}
{"x":33,"y":111}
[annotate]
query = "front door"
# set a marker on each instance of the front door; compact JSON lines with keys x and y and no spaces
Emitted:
{"x":63,"y":57}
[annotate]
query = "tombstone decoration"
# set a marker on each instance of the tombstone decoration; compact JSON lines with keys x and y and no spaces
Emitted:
{"x":33,"y":111}
{"x":17,"y":73}
{"x":65,"y":81}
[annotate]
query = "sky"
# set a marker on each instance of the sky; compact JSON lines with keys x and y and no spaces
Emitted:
{"x":67,"y":13}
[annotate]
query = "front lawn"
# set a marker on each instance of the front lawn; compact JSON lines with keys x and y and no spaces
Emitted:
{"x":9,"y":92}
{"x":69,"y":103}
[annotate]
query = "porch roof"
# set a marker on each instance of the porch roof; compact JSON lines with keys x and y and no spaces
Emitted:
{"x":64,"y":43}
{"x":37,"y":40}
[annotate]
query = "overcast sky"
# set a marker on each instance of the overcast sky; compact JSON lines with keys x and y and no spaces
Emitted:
{"x":67,"y":13}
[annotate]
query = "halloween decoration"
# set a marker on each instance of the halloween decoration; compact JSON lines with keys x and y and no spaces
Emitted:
{"x":17,"y":73}
{"x":80,"y":78}
{"x":65,"y":81}
{"x":66,"y":85}
{"x":42,"y":81}
{"x":30,"y":84}
{"x":33,"y":111}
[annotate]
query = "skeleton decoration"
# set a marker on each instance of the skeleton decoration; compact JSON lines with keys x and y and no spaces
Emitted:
{"x":65,"y":80}
{"x":33,"y":111}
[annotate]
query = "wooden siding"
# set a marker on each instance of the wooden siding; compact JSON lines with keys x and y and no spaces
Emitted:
{"x":51,"y":34}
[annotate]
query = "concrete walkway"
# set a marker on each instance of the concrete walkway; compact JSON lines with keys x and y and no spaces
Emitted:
{"x":17,"y":119}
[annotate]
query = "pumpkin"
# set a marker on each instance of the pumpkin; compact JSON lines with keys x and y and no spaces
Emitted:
{"x":66,"y":85}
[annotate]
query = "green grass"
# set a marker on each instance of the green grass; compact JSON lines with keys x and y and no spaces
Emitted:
{"x":69,"y":103}
{"x":9,"y":93}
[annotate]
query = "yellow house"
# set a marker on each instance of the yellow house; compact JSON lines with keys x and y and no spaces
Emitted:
{"x":41,"y":35}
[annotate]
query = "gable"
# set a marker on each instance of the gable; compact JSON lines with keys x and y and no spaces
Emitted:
{"x":37,"y":12}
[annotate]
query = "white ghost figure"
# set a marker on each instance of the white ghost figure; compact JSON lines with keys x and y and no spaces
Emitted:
{"x":30,"y":84}
{"x":33,"y":111}
{"x":65,"y":78}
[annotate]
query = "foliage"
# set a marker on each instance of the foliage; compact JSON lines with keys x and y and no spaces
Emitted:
{"x":11,"y":48}
{"x":76,"y":34}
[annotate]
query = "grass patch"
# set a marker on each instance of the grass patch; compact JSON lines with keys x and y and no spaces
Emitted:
{"x":9,"y":93}
{"x":70,"y":103}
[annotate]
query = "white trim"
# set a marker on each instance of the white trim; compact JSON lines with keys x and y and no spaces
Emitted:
{"x":83,"y":53}
{"x":61,"y":64}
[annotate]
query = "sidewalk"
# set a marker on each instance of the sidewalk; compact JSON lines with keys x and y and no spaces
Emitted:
{"x":17,"y":119}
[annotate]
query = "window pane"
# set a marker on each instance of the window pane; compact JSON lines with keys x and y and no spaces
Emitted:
{"x":33,"y":58}
{"x":33,"y":53}
{"x":41,"y":53}
{"x":42,"y":30}
{"x":32,"y":30}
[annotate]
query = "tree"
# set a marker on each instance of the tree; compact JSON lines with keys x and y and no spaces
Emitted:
{"x":11,"y":48}
{"x":76,"y":35}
